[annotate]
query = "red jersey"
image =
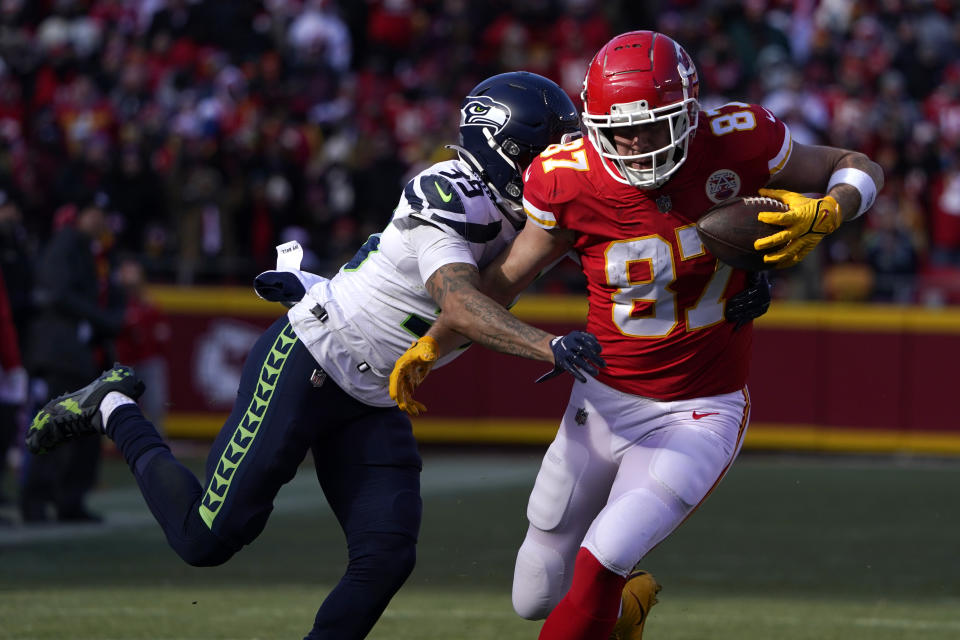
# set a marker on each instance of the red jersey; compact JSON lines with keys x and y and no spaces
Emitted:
{"x":656,"y":297}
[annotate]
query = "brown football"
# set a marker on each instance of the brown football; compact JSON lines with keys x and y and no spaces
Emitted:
{"x":729,"y":229}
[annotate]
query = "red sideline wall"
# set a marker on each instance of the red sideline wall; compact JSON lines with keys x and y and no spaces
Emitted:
{"x":825,"y":377}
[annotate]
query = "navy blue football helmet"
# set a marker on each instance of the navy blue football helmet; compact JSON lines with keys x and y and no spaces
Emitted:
{"x":506,"y":121}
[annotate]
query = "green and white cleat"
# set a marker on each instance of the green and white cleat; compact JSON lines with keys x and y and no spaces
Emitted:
{"x":78,"y":413}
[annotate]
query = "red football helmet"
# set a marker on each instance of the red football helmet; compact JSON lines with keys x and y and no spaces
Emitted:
{"x":646,"y":81}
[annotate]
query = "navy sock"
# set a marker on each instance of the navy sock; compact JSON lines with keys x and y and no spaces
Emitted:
{"x":133,"y":433}
{"x":171,"y":490}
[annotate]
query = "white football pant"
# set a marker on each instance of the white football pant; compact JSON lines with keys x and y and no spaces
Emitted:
{"x":621,"y":475}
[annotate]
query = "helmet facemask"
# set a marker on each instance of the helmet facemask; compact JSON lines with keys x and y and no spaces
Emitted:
{"x":641,"y":79}
{"x":646,"y":169}
{"x":517,"y":158}
{"x":509,"y":193}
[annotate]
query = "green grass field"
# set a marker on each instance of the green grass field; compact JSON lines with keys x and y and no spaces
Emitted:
{"x":788,"y":548}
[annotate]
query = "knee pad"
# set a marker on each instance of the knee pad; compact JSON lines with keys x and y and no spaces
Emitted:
{"x":628,"y":528}
{"x":561,"y":467}
{"x":539,"y":580}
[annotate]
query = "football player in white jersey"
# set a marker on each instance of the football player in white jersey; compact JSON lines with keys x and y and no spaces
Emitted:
{"x":317,"y":379}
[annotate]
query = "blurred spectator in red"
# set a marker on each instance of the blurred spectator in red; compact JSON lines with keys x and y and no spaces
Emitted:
{"x":83,"y":114}
{"x":144,"y":339}
{"x":945,"y":215}
{"x":579,"y":31}
{"x":12,"y":118}
{"x":15,"y":316}
{"x":943,"y":109}
{"x":390,"y":27}
{"x":13,"y":387}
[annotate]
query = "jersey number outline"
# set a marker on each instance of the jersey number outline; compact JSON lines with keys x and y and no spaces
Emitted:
{"x":469,"y":186}
{"x":656,"y":293}
{"x":577,"y":160}
{"x":722,"y":124}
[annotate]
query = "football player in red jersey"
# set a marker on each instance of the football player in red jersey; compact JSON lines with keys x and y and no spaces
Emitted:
{"x":643,"y":443}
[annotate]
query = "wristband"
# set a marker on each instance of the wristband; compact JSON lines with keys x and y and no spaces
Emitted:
{"x":859,"y":180}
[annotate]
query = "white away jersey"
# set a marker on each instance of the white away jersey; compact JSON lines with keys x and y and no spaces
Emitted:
{"x":377,"y":304}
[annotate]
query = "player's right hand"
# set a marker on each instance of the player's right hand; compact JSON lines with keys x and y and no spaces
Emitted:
{"x":576,"y":352}
{"x":409,"y":371}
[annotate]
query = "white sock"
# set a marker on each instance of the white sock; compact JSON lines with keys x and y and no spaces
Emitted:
{"x":110,"y":402}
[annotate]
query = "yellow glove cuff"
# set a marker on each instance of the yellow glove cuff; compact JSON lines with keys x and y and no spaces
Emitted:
{"x":828,"y":218}
{"x":409,"y":371}
{"x":428,"y":346}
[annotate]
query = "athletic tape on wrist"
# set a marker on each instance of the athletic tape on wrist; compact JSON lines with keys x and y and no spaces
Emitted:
{"x":859,"y":180}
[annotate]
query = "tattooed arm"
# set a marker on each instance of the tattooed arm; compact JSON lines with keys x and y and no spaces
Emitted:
{"x":466,"y":311}
{"x":456,"y":287}
{"x":473,"y":305}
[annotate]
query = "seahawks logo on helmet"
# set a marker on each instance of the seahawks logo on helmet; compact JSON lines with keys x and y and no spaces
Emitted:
{"x":482,"y":111}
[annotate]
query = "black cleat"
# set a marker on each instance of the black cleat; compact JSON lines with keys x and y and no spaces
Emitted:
{"x":78,"y":413}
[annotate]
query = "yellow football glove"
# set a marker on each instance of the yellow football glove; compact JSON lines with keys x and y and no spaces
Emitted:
{"x":807,"y":221}
{"x":409,"y":371}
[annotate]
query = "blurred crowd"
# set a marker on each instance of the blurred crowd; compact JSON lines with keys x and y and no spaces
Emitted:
{"x":178,"y":141}
{"x":217,"y":129}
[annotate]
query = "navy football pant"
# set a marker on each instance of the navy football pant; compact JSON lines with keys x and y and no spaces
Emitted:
{"x":366,"y":461}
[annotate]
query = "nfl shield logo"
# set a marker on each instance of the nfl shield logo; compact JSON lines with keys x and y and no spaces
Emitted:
{"x":664,"y":204}
{"x":318,"y":377}
{"x":581,"y":417}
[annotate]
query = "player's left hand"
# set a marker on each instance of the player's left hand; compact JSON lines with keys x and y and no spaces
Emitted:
{"x":409,"y":371}
{"x":576,"y":352}
{"x":807,"y":222}
{"x":750,"y":303}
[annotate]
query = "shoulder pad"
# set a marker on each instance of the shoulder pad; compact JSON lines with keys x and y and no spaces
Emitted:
{"x":441,"y":194}
{"x":452,"y":199}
